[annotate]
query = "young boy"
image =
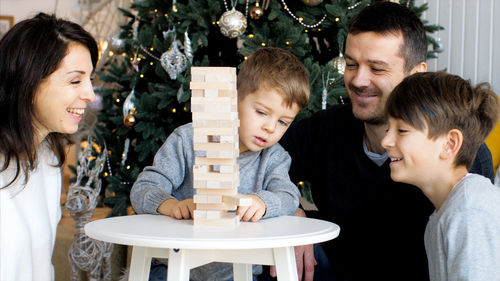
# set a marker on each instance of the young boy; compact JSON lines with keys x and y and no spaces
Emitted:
{"x":437,"y":121}
{"x":273,"y":86}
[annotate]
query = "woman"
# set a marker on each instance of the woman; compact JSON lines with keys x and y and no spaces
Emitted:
{"x":45,"y":84}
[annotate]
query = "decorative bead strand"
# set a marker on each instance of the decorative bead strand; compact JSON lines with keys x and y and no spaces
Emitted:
{"x":295,"y":17}
{"x":353,"y":6}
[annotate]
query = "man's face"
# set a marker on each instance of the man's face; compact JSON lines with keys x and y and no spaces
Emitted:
{"x":374,"y":67}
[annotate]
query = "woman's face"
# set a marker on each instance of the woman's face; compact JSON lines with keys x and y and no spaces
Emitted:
{"x":62,"y":97}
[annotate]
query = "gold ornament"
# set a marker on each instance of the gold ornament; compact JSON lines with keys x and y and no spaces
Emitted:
{"x":339,"y":64}
{"x":312,"y":3}
{"x":232,"y":23}
{"x":129,"y":121}
{"x":256,"y":12}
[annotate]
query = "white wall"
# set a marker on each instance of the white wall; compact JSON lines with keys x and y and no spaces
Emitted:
{"x":23,"y":9}
{"x":470,"y":40}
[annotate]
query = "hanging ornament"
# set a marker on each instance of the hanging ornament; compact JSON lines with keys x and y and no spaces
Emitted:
{"x":173,"y":61}
{"x":117,"y":44}
{"x":129,"y":120}
{"x":135,"y":63}
{"x":129,"y":103}
{"x":232,"y":23}
{"x":126,"y":146}
{"x":312,"y":3}
{"x":188,"y":49}
{"x":339,"y":63}
{"x":256,"y":12}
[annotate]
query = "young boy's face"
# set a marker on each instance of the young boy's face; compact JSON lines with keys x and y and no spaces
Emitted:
{"x":264,"y":118}
{"x":414,"y":156}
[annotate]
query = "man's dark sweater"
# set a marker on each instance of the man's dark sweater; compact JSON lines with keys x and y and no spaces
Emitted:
{"x":382,"y":222}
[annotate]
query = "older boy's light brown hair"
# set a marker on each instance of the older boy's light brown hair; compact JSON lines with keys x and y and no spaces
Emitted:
{"x":277,"y":69}
{"x":441,"y":102}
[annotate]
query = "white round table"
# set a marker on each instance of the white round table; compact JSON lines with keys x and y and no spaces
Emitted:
{"x":269,"y":241}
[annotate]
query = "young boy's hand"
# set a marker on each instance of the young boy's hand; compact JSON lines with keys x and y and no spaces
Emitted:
{"x":253,"y":212}
{"x":177,"y":209}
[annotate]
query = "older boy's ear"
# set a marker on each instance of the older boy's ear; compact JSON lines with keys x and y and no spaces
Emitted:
{"x":453,"y":142}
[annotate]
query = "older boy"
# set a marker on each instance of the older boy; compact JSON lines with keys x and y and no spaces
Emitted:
{"x":437,"y":122}
{"x":273,"y":86}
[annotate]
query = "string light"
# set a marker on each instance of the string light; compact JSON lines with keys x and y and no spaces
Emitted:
{"x":117,"y":100}
{"x":174,"y":110}
{"x":299,"y":20}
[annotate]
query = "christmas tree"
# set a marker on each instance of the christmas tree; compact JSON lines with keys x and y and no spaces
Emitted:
{"x":147,"y":72}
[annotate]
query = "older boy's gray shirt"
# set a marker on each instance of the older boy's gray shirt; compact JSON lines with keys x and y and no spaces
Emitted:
{"x":462,"y":239}
{"x":264,"y":173}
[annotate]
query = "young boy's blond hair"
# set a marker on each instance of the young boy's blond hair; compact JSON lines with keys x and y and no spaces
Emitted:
{"x":449,"y":102}
{"x":278,"y":69}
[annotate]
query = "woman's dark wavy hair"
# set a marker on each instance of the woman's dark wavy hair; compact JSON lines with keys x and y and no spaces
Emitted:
{"x":29,"y":52}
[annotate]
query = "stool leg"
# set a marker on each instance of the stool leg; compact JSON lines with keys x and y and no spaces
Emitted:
{"x":140,"y":264}
{"x":286,"y":267}
{"x":178,"y":269}
{"x":242,"y":272}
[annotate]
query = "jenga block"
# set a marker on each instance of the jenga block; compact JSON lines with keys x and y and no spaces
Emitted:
{"x":222,"y":206}
{"x":200,"y":139}
{"x":213,"y":146}
{"x":228,"y":139}
{"x":231,"y":116}
{"x":197,"y":77}
{"x":211,"y":93}
{"x":222,"y":77}
{"x":229,"y":131}
{"x":228,"y":169}
{"x":215,"y":176}
{"x":212,"y":85}
{"x":197,"y":93}
{"x":212,"y":191}
{"x":215,"y":123}
{"x":226,"y":220}
{"x":212,"y":69}
{"x":213,"y":108}
{"x":213,"y":161}
{"x":216,"y":184}
{"x":207,"y":214}
{"x":228,"y":93}
{"x":237,"y":199}
{"x":207,"y":198}
{"x":223,"y":154}
{"x":211,"y":101}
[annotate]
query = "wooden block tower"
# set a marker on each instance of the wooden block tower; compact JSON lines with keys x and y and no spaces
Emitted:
{"x":215,"y":124}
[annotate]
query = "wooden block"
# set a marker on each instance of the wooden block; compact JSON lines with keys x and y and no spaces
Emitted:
{"x":207,"y":198}
{"x":230,"y":116}
{"x":223,"y":154}
{"x":208,"y":191}
{"x":197,"y":93}
{"x":226,"y":220}
{"x":213,"y":161}
{"x":228,"y":169}
{"x":207,"y":214}
{"x":228,"y":93}
{"x":210,"y":100}
{"x":212,"y":85}
{"x":209,"y":131}
{"x":197,"y":77}
{"x":215,"y":123}
{"x":229,"y":139}
{"x":222,"y":77}
{"x":222,"y":206}
{"x":213,"y":108}
{"x":213,"y":146}
{"x":216,"y":184}
{"x":237,"y":199}
{"x":211,"y":93}
{"x":215,"y":176}
{"x":212,"y":69}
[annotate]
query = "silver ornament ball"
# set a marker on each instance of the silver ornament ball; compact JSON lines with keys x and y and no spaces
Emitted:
{"x":232,"y":23}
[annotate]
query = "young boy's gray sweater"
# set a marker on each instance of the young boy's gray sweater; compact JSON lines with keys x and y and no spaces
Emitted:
{"x":264,"y":173}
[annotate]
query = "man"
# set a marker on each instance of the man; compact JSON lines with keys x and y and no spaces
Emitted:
{"x":339,"y":151}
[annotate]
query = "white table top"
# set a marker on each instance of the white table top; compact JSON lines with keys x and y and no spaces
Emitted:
{"x":160,"y":231}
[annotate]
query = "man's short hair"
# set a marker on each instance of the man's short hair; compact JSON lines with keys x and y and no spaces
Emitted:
{"x":392,"y":18}
{"x":277,"y":69}
{"x":441,"y":102}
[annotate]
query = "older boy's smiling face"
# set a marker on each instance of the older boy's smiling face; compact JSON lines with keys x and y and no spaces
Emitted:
{"x":264,"y":118}
{"x":414,"y":156}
